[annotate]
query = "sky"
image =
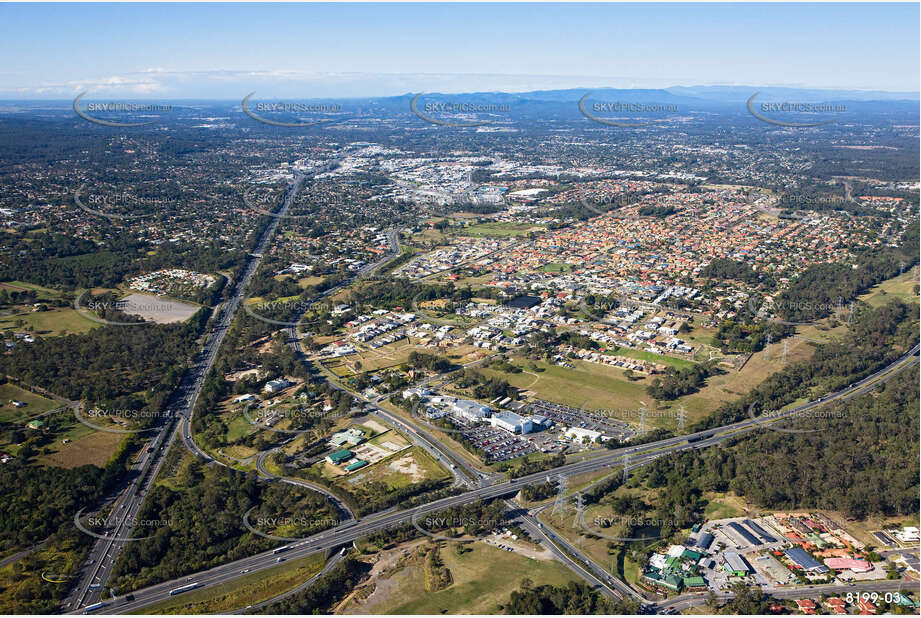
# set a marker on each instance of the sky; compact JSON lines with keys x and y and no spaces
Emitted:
{"x":225,"y":51}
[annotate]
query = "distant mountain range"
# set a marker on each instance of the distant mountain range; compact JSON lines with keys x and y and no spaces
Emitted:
{"x":678,"y":95}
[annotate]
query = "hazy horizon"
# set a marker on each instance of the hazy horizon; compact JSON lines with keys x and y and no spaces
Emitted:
{"x":864,"y":94}
{"x":216,"y":52}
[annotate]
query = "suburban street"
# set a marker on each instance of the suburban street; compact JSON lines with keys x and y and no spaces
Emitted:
{"x":95,"y":573}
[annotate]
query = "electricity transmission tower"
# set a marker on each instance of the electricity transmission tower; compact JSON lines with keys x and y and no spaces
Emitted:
{"x":560,"y":505}
{"x":579,"y":508}
{"x":682,"y":418}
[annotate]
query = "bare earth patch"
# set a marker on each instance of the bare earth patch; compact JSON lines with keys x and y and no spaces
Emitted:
{"x":157,"y":309}
{"x":407,"y":465}
{"x":391,"y":571}
{"x":374,"y":425}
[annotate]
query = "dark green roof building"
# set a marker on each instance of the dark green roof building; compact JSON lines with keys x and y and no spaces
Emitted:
{"x":695,"y":581}
{"x":360,"y":463}
{"x":690,"y":554}
{"x":339,"y":456}
{"x":670,"y":581}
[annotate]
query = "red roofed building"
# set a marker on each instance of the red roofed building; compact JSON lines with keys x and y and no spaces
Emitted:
{"x":866,"y":607}
{"x":807,"y":606}
{"x":853,"y":564}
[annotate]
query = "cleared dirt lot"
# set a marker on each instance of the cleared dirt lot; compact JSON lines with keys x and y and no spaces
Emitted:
{"x":157,"y":308}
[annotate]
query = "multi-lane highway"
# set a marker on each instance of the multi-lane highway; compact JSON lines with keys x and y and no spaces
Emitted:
{"x":638,"y":455}
{"x":104,"y":552}
{"x":95,"y":572}
{"x":332,"y":562}
{"x":571,"y":556}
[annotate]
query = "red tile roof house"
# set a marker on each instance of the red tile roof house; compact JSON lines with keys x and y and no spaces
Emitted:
{"x":836,"y":602}
{"x":866,"y":607}
{"x":807,"y":606}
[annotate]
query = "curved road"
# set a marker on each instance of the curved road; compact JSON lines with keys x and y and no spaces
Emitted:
{"x":94,"y":573}
{"x":355,"y":530}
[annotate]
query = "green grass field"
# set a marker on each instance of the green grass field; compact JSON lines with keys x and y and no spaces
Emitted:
{"x":35,"y":404}
{"x":602,"y":387}
{"x":86,"y":446}
{"x":902,"y":288}
{"x":43,"y":292}
{"x":556,"y":267}
{"x":598,"y":387}
{"x":306,"y":281}
{"x":239,"y":427}
{"x":722,"y":506}
{"x":499,"y":229}
{"x":49,"y":323}
{"x":56,"y":321}
{"x":239,"y":593}
{"x":733,"y":384}
{"x":483,"y":579}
